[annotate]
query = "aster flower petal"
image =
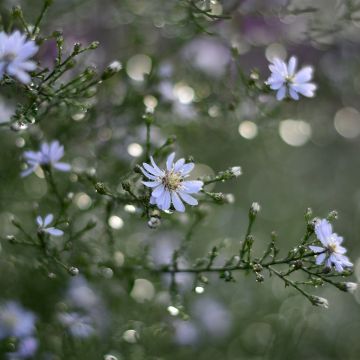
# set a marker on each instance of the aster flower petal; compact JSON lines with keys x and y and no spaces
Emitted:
{"x":62,"y":166}
{"x":165,"y":200}
{"x":280,"y":95}
{"x":149,"y":176}
{"x":192,"y":186}
{"x":292,"y":66}
{"x":188,"y":198}
{"x":304,"y":75}
{"x":151,"y":170}
{"x":151,"y":184}
{"x":178,"y":204}
{"x":185,"y":169}
{"x":28,"y":171}
{"x":48,"y":220}
{"x":159,"y":191}
{"x":320,"y":259}
{"x":293,"y":94}
{"x":53,"y":231}
{"x":170,"y":161}
{"x":323,"y":230}
{"x":306,"y":89}
{"x":39,"y":221}
{"x":179,"y":164}
{"x":316,"y":249}
{"x":159,"y":172}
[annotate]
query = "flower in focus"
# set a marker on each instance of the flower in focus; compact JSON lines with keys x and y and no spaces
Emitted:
{"x":286,"y":81}
{"x":332,"y":253}
{"x":15,"y":52}
{"x":44,"y":225}
{"x":15,"y":321}
{"x":80,"y":326}
{"x":169,"y":186}
{"x":49,"y":154}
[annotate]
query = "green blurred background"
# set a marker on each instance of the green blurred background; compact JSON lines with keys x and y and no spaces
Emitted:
{"x":294,"y":155}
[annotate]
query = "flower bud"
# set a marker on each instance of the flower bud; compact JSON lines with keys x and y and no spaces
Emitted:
{"x":73,"y":271}
{"x":254,"y":209}
{"x":319,"y":301}
{"x":111,"y":70}
{"x":236,"y":171}
{"x":154,"y":222}
{"x":101,"y":188}
{"x":350,"y":287}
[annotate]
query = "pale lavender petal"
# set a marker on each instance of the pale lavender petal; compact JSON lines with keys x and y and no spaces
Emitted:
{"x":54,"y":231}
{"x":185,"y":169}
{"x":292,"y":66}
{"x":157,"y":169}
{"x":169,"y":161}
{"x":39,"y":221}
{"x":306,"y":89}
{"x":152,"y":177}
{"x":293,"y":94}
{"x":280,"y":95}
{"x":316,"y":249}
{"x":323,"y":230}
{"x":151,"y":184}
{"x":192,"y":186}
{"x":178,"y":165}
{"x":151,"y":170}
{"x":178,"y":204}
{"x":304,"y":75}
{"x":28,"y":171}
{"x":320,"y":259}
{"x":159,"y":191}
{"x":48,"y":219}
{"x":188,"y":198}
{"x":62,"y":166}
{"x":165,"y":201}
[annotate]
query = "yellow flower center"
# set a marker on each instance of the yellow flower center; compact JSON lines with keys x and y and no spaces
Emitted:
{"x":332,"y":247}
{"x":172,"y":180}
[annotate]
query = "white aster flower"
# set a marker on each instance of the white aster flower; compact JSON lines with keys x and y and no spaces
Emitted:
{"x":286,"y":81}
{"x":332,"y":253}
{"x":15,"y":52}
{"x":169,"y":186}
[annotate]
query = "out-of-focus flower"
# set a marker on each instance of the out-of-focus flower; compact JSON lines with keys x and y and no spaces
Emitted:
{"x":80,"y":326}
{"x":15,"y":52}
{"x":16,"y":321}
{"x":286,"y":81}
{"x":27,"y":348}
{"x":186,"y":332}
{"x":350,"y":287}
{"x":332,"y":253}
{"x":49,"y":154}
{"x":44,"y":225}
{"x":170,"y":186}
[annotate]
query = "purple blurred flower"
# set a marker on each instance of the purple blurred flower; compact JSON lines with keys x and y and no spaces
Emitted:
{"x":49,"y":154}
{"x":44,"y":225}
{"x":332,"y":253}
{"x":169,"y":185}
{"x":16,"y":321}
{"x":15,"y":52}
{"x":284,"y":79}
{"x":80,"y":326}
{"x":27,"y":348}
{"x":186,"y":333}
